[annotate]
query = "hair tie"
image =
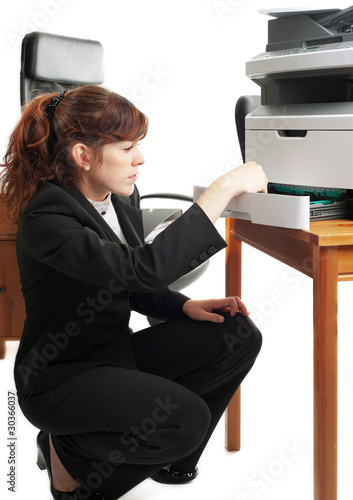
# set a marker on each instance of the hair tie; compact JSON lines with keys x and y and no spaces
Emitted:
{"x":49,"y":110}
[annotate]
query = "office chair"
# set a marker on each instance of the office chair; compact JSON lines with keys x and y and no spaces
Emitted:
{"x":245,"y":105}
{"x":52,"y":63}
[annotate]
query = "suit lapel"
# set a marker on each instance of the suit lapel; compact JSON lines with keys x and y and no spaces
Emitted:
{"x":92,"y":212}
{"x":129,"y":217}
{"x":130,"y":220}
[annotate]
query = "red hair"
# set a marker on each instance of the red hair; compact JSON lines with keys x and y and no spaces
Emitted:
{"x":40,"y":147}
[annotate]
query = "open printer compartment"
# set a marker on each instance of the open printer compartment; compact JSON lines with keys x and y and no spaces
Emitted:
{"x":300,"y":145}
{"x":302,"y":133}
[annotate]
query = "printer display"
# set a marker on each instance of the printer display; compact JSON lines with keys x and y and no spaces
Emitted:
{"x":302,"y":133}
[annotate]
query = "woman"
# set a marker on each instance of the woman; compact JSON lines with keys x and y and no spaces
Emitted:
{"x":115,"y":408}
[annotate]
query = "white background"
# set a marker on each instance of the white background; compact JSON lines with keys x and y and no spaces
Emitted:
{"x":199,"y":49}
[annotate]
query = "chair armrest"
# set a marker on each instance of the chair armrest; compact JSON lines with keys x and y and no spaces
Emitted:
{"x":153,"y":217}
{"x":172,"y":196}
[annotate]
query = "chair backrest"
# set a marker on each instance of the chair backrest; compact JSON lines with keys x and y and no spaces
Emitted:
{"x":245,"y":105}
{"x":52,"y":63}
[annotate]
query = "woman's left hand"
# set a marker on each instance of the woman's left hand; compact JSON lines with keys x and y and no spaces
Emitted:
{"x":202,"y":310}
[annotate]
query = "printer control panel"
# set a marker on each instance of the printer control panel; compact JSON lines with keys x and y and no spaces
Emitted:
{"x":324,"y":57}
{"x":304,"y":50}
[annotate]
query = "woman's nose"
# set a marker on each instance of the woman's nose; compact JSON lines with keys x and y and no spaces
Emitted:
{"x":138,"y":159}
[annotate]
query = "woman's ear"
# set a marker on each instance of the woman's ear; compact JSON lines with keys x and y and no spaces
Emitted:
{"x":82,"y":156}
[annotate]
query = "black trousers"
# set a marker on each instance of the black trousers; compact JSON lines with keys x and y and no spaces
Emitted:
{"x":113,"y":427}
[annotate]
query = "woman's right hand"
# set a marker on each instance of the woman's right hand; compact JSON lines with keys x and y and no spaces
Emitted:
{"x":249,"y":177}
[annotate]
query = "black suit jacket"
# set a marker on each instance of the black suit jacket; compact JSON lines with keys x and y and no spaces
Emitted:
{"x":80,"y":282}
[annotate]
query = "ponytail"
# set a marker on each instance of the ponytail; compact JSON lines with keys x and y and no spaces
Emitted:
{"x":40,"y":146}
{"x":27,"y":160}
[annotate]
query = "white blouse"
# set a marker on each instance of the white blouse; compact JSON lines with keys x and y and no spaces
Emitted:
{"x":106,"y":210}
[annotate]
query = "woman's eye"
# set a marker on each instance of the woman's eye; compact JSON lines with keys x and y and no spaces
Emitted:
{"x":132,"y":146}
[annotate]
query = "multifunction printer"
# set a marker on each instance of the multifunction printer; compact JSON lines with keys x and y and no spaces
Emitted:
{"x":302,"y":132}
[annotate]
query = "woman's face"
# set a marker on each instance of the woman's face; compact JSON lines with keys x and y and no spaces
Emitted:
{"x":117,"y":172}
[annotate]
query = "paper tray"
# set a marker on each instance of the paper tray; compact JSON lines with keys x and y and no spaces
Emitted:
{"x":268,"y":209}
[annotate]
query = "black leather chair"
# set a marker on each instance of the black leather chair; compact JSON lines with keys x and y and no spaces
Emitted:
{"x":51,"y":63}
{"x":245,"y":105}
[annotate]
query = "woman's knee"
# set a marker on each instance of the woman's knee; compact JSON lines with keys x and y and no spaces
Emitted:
{"x":191,"y":423}
{"x":255,"y":337}
{"x":241,"y":332}
{"x":180,"y":434}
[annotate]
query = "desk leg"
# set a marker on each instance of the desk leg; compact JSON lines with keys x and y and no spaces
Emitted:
{"x":233,"y":287}
{"x":325,"y":277}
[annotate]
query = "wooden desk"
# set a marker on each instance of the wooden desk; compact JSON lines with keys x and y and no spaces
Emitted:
{"x":325,"y":253}
{"x":12,"y":309}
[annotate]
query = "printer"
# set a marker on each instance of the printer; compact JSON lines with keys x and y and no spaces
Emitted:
{"x":302,"y":132}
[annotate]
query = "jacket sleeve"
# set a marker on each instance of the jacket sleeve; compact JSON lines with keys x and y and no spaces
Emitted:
{"x":57,"y":235}
{"x":163,"y":305}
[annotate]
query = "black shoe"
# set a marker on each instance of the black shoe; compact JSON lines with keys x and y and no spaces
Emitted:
{"x":43,"y":462}
{"x":174,"y":476}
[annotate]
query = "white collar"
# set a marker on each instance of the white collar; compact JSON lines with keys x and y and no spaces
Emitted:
{"x":102,"y":205}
